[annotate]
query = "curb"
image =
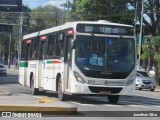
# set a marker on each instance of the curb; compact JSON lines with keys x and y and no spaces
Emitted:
{"x":44,"y":110}
{"x":36,"y":108}
{"x":45,"y":106}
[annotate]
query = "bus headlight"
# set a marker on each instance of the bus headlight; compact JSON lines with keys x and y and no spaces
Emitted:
{"x":138,"y":80}
{"x":130,"y":81}
{"x":79,"y":78}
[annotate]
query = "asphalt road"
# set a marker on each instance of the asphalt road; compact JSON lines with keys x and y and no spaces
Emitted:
{"x":145,"y":101}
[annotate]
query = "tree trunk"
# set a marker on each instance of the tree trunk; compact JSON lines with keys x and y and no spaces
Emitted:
{"x":156,"y":70}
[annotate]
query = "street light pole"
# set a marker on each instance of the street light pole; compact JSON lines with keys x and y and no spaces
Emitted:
{"x":9,"y":51}
{"x":20,"y":37}
{"x":135,"y":15}
{"x":140,"y":36}
{"x":67,"y":10}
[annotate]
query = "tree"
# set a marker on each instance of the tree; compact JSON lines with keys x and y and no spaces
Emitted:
{"x":152,"y":23}
{"x":45,"y":17}
{"x":26,"y":19}
{"x":12,"y":19}
{"x":112,"y":10}
{"x":151,"y":11}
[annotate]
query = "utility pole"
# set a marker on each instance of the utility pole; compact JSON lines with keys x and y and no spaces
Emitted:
{"x":67,"y":10}
{"x":135,"y":15}
{"x":140,"y":36}
{"x":20,"y":36}
{"x":56,"y":18}
{"x":9,"y":51}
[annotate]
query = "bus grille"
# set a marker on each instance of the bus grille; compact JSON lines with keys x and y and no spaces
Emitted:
{"x":99,"y":89}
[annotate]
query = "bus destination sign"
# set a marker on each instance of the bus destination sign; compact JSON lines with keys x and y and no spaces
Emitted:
{"x":105,"y":29}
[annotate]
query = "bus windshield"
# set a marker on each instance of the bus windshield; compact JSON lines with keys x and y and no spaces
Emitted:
{"x":105,"y":54}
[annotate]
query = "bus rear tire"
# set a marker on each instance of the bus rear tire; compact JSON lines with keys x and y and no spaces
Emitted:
{"x":61,"y":95}
{"x":113,"y":99}
{"x":34,"y":91}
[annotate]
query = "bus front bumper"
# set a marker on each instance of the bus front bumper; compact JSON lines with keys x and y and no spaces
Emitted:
{"x":79,"y":88}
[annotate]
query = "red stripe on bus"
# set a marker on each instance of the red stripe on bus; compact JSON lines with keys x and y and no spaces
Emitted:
{"x":56,"y":61}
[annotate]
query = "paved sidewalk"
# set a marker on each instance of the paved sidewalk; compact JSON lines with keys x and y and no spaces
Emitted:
{"x":36,"y":104}
{"x":12,"y":69}
{"x":4,"y":93}
{"x":30,"y":103}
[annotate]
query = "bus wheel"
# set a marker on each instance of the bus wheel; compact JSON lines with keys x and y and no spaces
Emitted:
{"x":61,"y":95}
{"x":113,"y":99}
{"x":34,"y":91}
{"x":152,"y":89}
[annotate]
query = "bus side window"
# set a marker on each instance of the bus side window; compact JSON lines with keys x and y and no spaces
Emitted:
{"x":51,"y":46}
{"x":34,"y":48}
{"x":60,"y":45}
{"x":23,"y":49}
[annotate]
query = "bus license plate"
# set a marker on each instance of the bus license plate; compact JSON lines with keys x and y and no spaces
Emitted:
{"x":105,"y":93}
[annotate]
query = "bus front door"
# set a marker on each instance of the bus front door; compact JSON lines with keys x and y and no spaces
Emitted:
{"x":67,"y":63}
{"x":26,"y":66}
{"x":40,"y":67}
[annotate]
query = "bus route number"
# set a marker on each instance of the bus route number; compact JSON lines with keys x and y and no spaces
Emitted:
{"x":108,"y":30}
{"x":91,"y":81}
{"x":88,"y":29}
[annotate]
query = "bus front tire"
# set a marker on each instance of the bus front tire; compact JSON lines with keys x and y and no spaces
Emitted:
{"x":113,"y":99}
{"x":61,"y":95}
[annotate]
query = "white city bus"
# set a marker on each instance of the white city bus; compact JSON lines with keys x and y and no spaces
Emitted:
{"x":87,"y":58}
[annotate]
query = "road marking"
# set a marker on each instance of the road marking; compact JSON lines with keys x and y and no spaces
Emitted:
{"x":98,"y":104}
{"x":46,"y":100}
{"x":83,"y":104}
{"x":133,"y":105}
{"x":37,"y":97}
{"x":114,"y":105}
{"x":142,"y":106}
{"x":141,"y":103}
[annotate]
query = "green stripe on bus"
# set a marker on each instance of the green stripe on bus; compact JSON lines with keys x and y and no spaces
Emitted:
{"x":49,"y":62}
{"x":23,"y":64}
{"x":54,"y":61}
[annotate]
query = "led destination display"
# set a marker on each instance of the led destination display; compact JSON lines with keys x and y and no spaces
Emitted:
{"x":105,"y":29}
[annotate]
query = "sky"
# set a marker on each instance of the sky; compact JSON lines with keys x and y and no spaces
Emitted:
{"x":36,"y":3}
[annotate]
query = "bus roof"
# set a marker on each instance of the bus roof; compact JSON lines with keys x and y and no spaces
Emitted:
{"x":70,"y":25}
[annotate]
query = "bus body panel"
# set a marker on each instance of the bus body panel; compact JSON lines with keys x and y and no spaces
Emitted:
{"x":47,"y":70}
{"x":31,"y":71}
{"x":51,"y":68}
{"x":98,"y":83}
{"x":23,"y":72}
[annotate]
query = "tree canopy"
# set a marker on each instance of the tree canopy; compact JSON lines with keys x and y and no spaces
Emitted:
{"x":45,"y":17}
{"x":112,"y":10}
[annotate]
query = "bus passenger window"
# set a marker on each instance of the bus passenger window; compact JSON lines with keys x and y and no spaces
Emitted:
{"x":60,"y":44}
{"x":34,"y":54}
{"x":50,"y":51}
{"x":34,"y":47}
{"x":51,"y":46}
{"x":57,"y":50}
